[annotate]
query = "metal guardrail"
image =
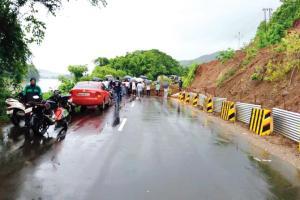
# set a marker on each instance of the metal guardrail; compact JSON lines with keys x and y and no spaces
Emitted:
{"x":287,"y":123}
{"x":244,"y":110}
{"x":217,"y":102}
{"x":202,"y":98}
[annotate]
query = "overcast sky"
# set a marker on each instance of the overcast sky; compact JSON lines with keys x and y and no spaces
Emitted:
{"x":184,"y":29}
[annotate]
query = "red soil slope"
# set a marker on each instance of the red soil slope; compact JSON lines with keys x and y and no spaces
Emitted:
{"x":281,"y":94}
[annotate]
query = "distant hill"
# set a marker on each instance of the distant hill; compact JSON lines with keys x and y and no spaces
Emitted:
{"x":48,"y":74}
{"x":201,"y":59}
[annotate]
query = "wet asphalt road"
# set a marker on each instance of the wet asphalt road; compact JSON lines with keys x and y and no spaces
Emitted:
{"x":160,"y":150}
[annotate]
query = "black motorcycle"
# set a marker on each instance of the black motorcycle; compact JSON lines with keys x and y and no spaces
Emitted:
{"x":46,"y":114}
{"x":42,"y":117}
{"x":63,"y":101}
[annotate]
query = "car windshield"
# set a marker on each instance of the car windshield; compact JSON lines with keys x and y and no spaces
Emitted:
{"x":86,"y":86}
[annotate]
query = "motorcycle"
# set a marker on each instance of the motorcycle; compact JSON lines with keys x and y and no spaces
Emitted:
{"x":46,"y":114}
{"x":17,"y":110}
{"x":63,"y":101}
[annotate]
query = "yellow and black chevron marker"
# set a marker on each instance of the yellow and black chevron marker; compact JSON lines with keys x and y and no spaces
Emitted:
{"x":188,"y":98}
{"x":209,"y":105}
{"x":195,"y":100}
{"x":179,"y":95}
{"x":182,"y":98}
{"x":228,"y":111}
{"x":261,"y":121}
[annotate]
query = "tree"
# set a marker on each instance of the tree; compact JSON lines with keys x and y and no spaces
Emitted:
{"x":151,"y":63}
{"x":77,"y":71}
{"x":32,"y":72}
{"x":101,"y":72}
{"x":17,"y":30}
{"x":101,"y":61}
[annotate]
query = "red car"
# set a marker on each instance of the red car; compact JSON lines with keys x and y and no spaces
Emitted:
{"x":90,"y":93}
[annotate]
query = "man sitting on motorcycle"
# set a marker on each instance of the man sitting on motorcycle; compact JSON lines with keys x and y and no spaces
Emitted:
{"x":32,"y":90}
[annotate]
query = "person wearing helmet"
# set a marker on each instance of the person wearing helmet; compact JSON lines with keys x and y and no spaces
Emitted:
{"x":31,"y":90}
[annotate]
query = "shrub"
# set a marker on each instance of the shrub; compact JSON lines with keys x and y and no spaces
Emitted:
{"x":223,"y":77}
{"x":66,"y":84}
{"x":258,"y":75}
{"x":226,"y":55}
{"x":290,"y":46}
{"x":251,"y":52}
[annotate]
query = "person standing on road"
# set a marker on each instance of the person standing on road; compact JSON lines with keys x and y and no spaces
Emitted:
{"x":139,"y":89}
{"x":148,"y":87}
{"x":124,"y":89}
{"x":157,"y":88}
{"x":144,"y":87}
{"x":133,"y":88}
{"x":118,"y":91}
{"x":180,"y":83}
{"x":127,"y":86}
{"x":166,"y":89}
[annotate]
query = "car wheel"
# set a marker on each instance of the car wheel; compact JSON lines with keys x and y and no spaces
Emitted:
{"x":83,"y":109}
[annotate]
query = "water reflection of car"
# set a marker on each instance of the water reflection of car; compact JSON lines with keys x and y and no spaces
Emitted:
{"x":90,"y":93}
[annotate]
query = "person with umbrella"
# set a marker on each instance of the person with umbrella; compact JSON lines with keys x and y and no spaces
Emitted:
{"x":157,"y":88}
{"x":148,"y":87}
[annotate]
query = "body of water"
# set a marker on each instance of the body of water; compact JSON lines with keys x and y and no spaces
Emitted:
{"x":48,"y":84}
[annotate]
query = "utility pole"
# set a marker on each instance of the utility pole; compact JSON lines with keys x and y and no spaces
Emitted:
{"x":270,"y":13}
{"x":239,"y":36}
{"x":267,"y":10}
{"x":265,"y":14}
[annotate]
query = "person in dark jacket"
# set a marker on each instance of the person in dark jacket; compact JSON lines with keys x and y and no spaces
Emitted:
{"x":117,"y":87}
{"x":32,"y":90}
{"x":180,"y":83}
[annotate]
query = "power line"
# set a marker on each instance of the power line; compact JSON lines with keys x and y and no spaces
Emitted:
{"x":266,"y":11}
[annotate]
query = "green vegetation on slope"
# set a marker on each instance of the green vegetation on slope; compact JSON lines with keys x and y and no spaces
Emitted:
{"x":190,"y":76}
{"x":283,"y":18}
{"x":274,"y":35}
{"x":226,"y":55}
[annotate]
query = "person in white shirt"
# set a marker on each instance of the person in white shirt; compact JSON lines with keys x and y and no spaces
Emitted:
{"x":127,"y":87}
{"x":139,"y":89}
{"x":133,"y":88}
{"x":144,"y":86}
{"x":148,"y":88}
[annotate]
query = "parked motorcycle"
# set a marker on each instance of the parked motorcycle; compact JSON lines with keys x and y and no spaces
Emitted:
{"x":63,"y":101}
{"x":46,"y":114}
{"x":17,"y":110}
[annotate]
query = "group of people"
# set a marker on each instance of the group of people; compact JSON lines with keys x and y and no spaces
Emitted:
{"x":138,"y":88}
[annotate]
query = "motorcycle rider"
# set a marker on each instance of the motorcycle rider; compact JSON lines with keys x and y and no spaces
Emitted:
{"x":31,"y":90}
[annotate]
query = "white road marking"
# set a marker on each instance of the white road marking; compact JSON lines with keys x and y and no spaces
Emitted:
{"x":132,"y":105}
{"x":122,"y":124}
{"x":262,"y":160}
